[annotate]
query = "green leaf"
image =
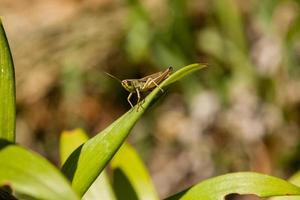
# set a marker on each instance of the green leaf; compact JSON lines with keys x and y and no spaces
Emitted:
{"x":295,"y":179}
{"x":241,"y":183}
{"x":100,"y":189}
{"x":231,"y":22}
{"x":7,"y":90}
{"x":264,"y":11}
{"x":139,"y":32}
{"x":87,"y":161}
{"x":69,"y":141}
{"x":30,"y":175}
{"x":129,"y":168}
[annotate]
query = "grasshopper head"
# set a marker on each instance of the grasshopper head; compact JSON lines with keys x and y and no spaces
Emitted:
{"x":128,"y":85}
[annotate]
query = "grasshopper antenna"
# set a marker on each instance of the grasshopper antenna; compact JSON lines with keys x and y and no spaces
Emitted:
{"x":112,"y":76}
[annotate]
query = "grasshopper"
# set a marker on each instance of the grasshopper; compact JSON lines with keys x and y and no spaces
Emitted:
{"x":142,"y":85}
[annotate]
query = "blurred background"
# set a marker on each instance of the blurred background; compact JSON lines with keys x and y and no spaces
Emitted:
{"x":242,"y":113}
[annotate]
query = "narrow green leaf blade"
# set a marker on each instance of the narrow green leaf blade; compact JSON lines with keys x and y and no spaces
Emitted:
{"x":240,"y":183}
{"x":87,"y":161}
{"x":31,"y":176}
{"x":7,"y":90}
{"x":101,"y":188}
{"x":127,"y":165}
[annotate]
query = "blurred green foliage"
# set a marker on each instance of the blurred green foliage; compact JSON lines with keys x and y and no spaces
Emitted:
{"x":252,"y":50}
{"x":241,"y":114}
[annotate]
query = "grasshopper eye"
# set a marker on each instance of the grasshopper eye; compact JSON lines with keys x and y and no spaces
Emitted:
{"x":125,"y":82}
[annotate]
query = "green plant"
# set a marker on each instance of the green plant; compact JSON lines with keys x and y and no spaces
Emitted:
{"x":30,"y":176}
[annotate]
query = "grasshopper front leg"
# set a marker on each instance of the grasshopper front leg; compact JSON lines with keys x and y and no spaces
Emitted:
{"x":139,"y":99}
{"x":128,"y":99}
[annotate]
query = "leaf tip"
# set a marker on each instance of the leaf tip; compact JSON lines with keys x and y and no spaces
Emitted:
{"x":203,"y":65}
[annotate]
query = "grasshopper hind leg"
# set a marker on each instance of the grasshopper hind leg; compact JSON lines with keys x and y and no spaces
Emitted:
{"x":152,"y":81}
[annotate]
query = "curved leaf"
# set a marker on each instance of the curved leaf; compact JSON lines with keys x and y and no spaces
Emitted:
{"x":87,"y":161}
{"x":7,"y":90}
{"x":101,"y":188}
{"x":295,"y":179}
{"x":128,"y":167}
{"x":69,"y":141}
{"x":30,"y":175}
{"x":241,"y":183}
